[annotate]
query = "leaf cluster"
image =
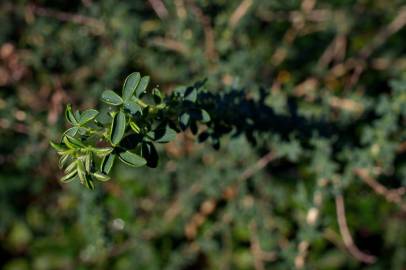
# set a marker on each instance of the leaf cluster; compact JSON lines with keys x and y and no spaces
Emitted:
{"x":134,"y":122}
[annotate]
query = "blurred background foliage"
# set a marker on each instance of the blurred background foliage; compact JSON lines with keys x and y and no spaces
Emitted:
{"x":273,"y":206}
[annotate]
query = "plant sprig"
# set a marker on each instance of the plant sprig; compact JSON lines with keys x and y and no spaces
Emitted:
{"x":134,"y":122}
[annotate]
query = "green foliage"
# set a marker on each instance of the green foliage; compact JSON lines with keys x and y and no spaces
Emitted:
{"x":129,"y":131}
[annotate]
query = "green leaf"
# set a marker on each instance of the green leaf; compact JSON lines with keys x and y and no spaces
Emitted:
{"x":110,"y":97}
{"x":142,"y":86}
{"x":184,"y":120}
{"x":101,"y":176}
{"x":70,"y":117}
{"x":132,"y":107}
{"x":72,"y":142}
{"x":135,"y":127}
{"x":88,"y":162}
{"x":107,"y":163}
{"x":191,"y":94}
{"x":77,"y":115}
{"x":157,"y":95}
{"x":62,"y":161}
{"x":130,"y":84}
{"x":101,"y":152}
{"x":118,"y":128}
{"x":164,"y":135}
{"x":88,"y":115}
{"x":59,"y":147}
{"x":132,"y":159}
{"x":71,"y":131}
{"x":88,"y":182}
{"x":205,"y":116}
{"x":150,"y":154}
{"x":71,"y":167}
{"x":69,"y":177}
{"x":81,"y":171}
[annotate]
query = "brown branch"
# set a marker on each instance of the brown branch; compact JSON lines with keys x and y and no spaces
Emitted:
{"x":239,"y":12}
{"x":382,"y":36}
{"x":359,"y":64}
{"x":67,"y":17}
{"x":159,"y":7}
{"x":346,"y":235}
{"x":31,"y":10}
{"x":259,"y":165}
{"x":170,"y":44}
{"x":210,"y":47}
{"x":391,"y":195}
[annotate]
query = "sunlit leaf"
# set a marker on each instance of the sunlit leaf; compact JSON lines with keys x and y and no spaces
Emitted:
{"x":135,"y":127}
{"x":132,"y":107}
{"x":88,"y":115}
{"x":71,"y":131}
{"x":69,"y":177}
{"x":110,"y":97}
{"x":70,"y":117}
{"x":118,"y":128}
{"x":101,"y":152}
{"x":72,"y":142}
{"x":107,"y":163}
{"x":132,"y":159}
{"x":101,"y":176}
{"x":142,"y":86}
{"x":130,"y":84}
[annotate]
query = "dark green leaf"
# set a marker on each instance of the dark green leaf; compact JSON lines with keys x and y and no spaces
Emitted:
{"x":193,"y":127}
{"x":130,"y":84}
{"x":88,"y":115}
{"x":63,"y":160}
{"x":132,"y":107}
{"x":72,"y":142}
{"x":150,"y":154}
{"x":88,"y":182}
{"x":110,"y":97}
{"x":142,"y":86}
{"x":70,"y":117}
{"x":71,"y":167}
{"x":132,"y":159}
{"x":71,"y":131}
{"x":88,"y":162}
{"x":107,"y":163}
{"x":157,"y":95}
{"x":164,"y":135}
{"x":84,"y":177}
{"x":101,"y":176}
{"x":69,"y":177}
{"x":101,"y":152}
{"x":135,"y":127}
{"x":59,"y":147}
{"x":118,"y":128}
{"x":203,"y":136}
{"x":77,"y":115}
{"x":184,"y":120}
{"x":205,"y":116}
{"x":191,"y":94}
{"x":81,"y":171}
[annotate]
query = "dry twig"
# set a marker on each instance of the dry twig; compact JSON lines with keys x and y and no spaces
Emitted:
{"x":346,"y":235}
{"x":159,"y":7}
{"x":239,"y":12}
{"x":391,"y":195}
